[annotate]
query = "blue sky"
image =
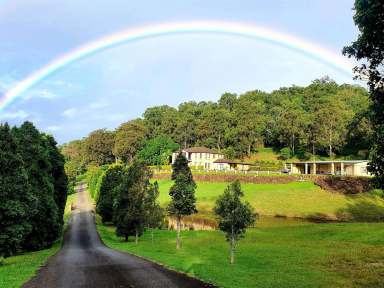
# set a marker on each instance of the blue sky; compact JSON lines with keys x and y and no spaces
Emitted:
{"x":118,"y":84}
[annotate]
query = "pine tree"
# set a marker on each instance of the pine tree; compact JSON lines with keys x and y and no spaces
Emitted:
{"x":45,"y":219}
{"x":234,"y":216}
{"x":180,"y":166}
{"x":111,"y":179}
{"x":182,"y":193}
{"x":16,"y":200}
{"x":154,"y":213}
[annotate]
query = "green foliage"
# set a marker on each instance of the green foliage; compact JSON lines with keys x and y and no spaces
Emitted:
{"x":45,"y":218}
{"x":285,"y":153}
{"x":183,"y":196}
{"x":234,"y":216}
{"x":157,"y":151}
{"x":369,"y":49}
{"x":109,"y":182}
{"x":60,"y":179}
{"x":130,"y":208}
{"x":94,"y":176}
{"x":16,"y":200}
{"x":129,"y":139}
{"x":98,"y":147}
{"x":180,"y":166}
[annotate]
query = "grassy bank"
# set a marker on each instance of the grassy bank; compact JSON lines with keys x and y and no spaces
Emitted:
{"x":296,"y":199}
{"x":275,"y":254}
{"x":18,"y":269}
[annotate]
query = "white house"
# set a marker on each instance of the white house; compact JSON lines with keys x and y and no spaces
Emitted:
{"x":201,"y":157}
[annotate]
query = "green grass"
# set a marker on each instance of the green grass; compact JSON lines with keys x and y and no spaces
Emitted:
{"x":296,"y":199}
{"x":275,"y":254}
{"x":18,"y":269}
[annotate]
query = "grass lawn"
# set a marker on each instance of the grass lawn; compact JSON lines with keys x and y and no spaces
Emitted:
{"x":18,"y":269}
{"x":296,"y":199}
{"x":275,"y":254}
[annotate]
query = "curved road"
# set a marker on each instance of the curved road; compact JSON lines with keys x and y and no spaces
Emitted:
{"x":84,"y":261}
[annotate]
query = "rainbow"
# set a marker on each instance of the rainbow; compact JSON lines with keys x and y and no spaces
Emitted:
{"x":228,"y":28}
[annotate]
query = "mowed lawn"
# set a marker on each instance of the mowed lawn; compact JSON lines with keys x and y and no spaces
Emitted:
{"x":18,"y":269}
{"x":296,"y":199}
{"x":275,"y":254}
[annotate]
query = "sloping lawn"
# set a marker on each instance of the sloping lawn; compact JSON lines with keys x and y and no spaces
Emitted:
{"x":18,"y":269}
{"x":275,"y":254}
{"x":296,"y":199}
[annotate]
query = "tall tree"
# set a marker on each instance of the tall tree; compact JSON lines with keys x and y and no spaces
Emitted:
{"x":16,"y":201}
{"x":45,"y":220}
{"x":129,"y":210}
{"x":110,"y":181}
{"x":59,"y":177}
{"x":369,"y":48}
{"x":234,"y":216}
{"x":98,"y":147}
{"x":129,"y":139}
{"x":154,"y":213}
{"x":182,"y":192}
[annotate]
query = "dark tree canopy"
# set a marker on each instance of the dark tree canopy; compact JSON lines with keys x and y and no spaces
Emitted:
{"x":369,"y":48}
{"x":129,"y":209}
{"x":98,"y":147}
{"x":110,"y":180}
{"x":16,"y":200}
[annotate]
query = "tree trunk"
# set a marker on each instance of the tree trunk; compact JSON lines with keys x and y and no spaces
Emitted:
{"x":293,"y":144}
{"x":218,"y":143}
{"x":313,"y":151}
{"x":178,"y":225}
{"x":152,"y":235}
{"x":126,"y":238}
{"x":137,"y":236}
{"x":249,"y":149}
{"x":232,"y":250}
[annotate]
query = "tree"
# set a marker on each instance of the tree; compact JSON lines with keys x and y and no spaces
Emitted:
{"x":16,"y":200}
{"x":182,"y":192}
{"x":45,"y":218}
{"x":234,"y":216}
{"x":98,"y":147}
{"x":59,"y":177}
{"x":154,"y":213}
{"x":369,"y":48}
{"x":250,"y":120}
{"x":110,"y":181}
{"x":129,"y":139}
{"x":129,"y":209}
{"x":156,"y":151}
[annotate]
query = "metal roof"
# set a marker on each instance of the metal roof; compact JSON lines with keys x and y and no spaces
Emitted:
{"x":200,"y":150}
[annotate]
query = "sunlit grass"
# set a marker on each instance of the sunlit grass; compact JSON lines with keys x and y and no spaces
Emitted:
{"x":275,"y":254}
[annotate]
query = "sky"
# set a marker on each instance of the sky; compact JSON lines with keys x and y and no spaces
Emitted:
{"x":117,"y":84}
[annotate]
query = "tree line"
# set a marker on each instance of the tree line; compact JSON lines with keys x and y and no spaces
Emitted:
{"x":33,"y":189}
{"x":323,"y":118}
{"x":127,"y":198}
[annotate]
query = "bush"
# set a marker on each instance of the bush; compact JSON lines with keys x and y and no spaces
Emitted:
{"x":285,"y":153}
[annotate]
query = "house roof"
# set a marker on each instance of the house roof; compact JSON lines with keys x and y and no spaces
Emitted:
{"x":330,"y":161}
{"x":200,"y":150}
{"x":230,"y":161}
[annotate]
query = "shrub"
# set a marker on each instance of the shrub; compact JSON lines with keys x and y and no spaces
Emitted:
{"x":285,"y":153}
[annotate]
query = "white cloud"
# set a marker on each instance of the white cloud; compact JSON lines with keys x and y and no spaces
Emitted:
{"x":70,"y":113}
{"x":40,"y":93}
{"x":20,"y":114}
{"x":53,"y":128}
